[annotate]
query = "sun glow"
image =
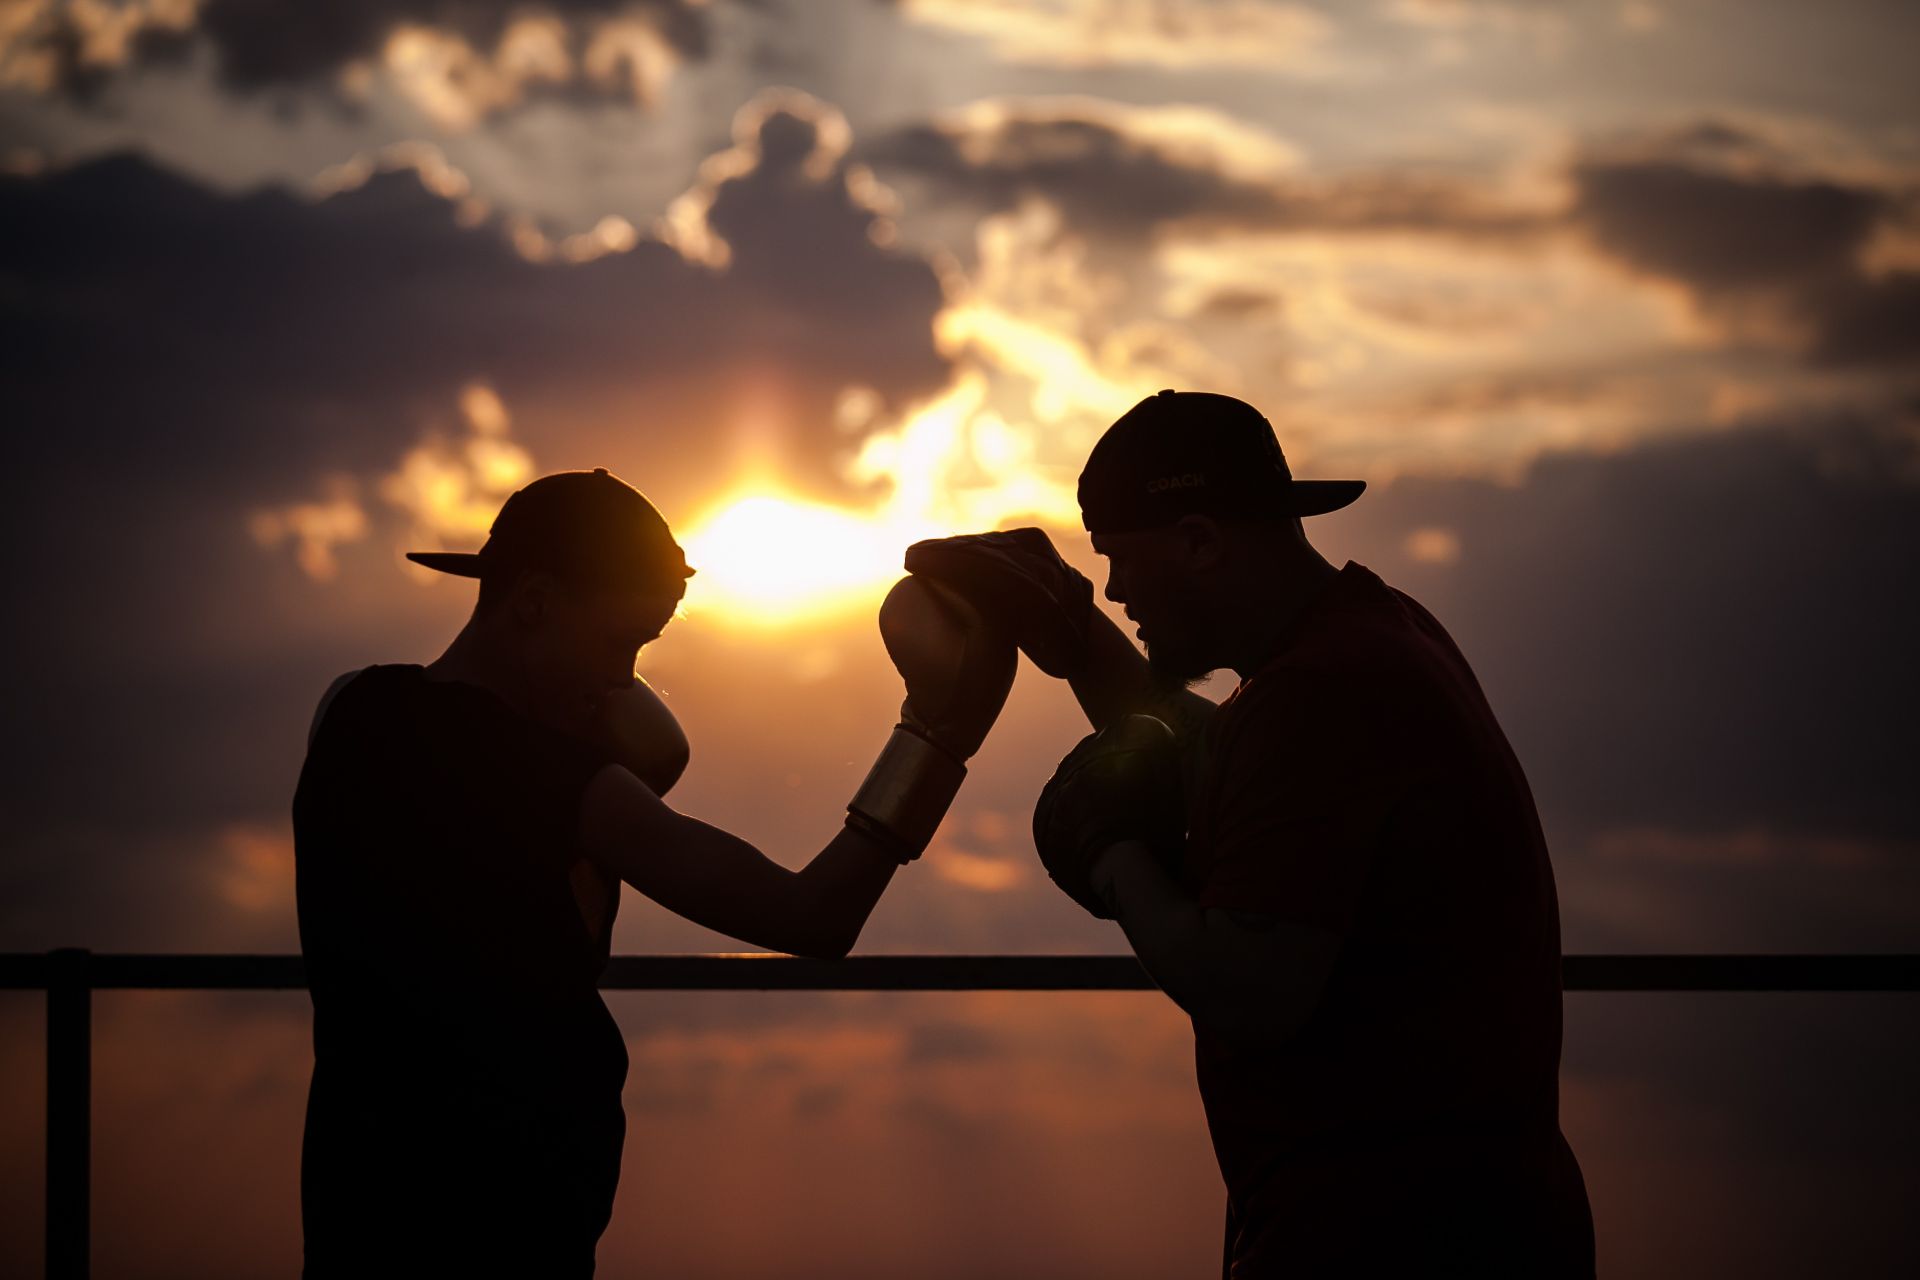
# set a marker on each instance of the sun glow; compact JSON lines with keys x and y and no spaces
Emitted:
{"x":764,"y":557}
{"x":774,"y":560}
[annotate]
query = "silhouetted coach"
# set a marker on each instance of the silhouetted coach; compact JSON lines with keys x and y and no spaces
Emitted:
{"x":1338,"y":872}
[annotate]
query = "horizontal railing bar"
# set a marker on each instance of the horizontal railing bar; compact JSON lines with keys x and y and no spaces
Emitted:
{"x":755,"y":971}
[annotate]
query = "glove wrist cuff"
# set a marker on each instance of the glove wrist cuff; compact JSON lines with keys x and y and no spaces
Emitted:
{"x":906,"y":793}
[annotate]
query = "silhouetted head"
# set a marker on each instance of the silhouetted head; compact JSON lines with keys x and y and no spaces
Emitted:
{"x":1190,"y":499}
{"x":579,"y":571}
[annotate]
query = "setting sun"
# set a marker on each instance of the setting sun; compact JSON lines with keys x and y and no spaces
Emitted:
{"x":771,"y":560}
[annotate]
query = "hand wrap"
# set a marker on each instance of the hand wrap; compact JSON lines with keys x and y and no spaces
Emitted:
{"x":958,"y":669}
{"x":906,"y":793}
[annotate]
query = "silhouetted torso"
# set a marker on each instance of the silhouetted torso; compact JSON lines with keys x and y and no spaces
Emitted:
{"x":1359,"y":782}
{"x":465,"y":1106}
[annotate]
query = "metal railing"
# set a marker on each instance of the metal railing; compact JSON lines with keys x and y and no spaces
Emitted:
{"x":70,"y":977}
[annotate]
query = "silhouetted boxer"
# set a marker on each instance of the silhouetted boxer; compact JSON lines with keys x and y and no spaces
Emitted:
{"x":461,"y":830}
{"x":1338,"y":872}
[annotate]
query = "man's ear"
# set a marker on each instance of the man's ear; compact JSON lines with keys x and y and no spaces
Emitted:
{"x":532,"y":598}
{"x":1203,"y":540}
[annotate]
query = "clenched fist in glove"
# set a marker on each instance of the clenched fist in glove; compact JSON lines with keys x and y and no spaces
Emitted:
{"x":1121,"y":783}
{"x":1021,"y":584}
{"x":958,"y":668}
{"x":636,"y":727}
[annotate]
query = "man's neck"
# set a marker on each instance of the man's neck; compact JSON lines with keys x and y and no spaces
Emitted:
{"x":469,"y":659}
{"x":1275,"y":604}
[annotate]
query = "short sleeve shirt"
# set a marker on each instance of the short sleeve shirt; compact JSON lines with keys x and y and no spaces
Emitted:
{"x":1359,"y":782}
{"x":435,"y":831}
{"x":452,"y":974}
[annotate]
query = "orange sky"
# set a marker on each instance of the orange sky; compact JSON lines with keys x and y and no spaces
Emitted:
{"x":1615,"y":305}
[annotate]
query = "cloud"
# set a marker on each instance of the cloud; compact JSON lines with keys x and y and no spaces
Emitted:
{"x":1742,"y":1132}
{"x":294,"y":327}
{"x":1128,"y":173}
{"x":1693,"y":635}
{"x":972,"y":871}
{"x":1765,"y":243}
{"x":1459,"y":28}
{"x":315,"y":527}
{"x":1198,"y":34}
{"x":457,"y":60}
{"x":1649,"y":888}
{"x":451,"y":489}
{"x":206,"y":387}
{"x":1771,"y":247}
{"x":1423,"y":318}
{"x":1433,"y":544}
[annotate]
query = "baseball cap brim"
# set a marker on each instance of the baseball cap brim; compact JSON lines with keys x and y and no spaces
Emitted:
{"x":463,"y":564}
{"x":1317,"y":497}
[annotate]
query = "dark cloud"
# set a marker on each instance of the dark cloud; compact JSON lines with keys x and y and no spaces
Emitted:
{"x":161,"y":328}
{"x":1706,"y":634}
{"x":1241,"y":304}
{"x":1718,"y":211}
{"x":177,"y":359}
{"x":1862,"y":320}
{"x":1723,"y":232}
{"x":1111,"y":180}
{"x":1699,"y":636}
{"x":261,"y":45}
{"x":1715,"y":208}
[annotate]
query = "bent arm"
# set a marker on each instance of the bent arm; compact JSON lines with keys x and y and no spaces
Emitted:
{"x":1252,"y":979}
{"x":720,"y":881}
{"x":1116,"y":681}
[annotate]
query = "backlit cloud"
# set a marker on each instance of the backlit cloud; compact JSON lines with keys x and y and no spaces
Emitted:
{"x":1129,"y":172}
{"x":1611,"y":301}
{"x":451,"y":488}
{"x":314,"y":527}
{"x":1289,"y":38}
{"x":457,"y":61}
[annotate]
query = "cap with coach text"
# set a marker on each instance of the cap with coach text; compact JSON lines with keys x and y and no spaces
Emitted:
{"x":1181,"y":453}
{"x":586,"y":526}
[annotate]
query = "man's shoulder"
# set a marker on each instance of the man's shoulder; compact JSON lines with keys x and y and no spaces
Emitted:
{"x":351,"y":688}
{"x":1363,"y":657}
{"x":1367,"y":630}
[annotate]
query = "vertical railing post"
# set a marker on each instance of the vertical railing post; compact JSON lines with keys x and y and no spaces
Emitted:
{"x":69,"y":1112}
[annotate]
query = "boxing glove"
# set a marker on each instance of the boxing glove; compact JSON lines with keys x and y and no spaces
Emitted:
{"x":1018,"y":580}
{"x":634,"y":725}
{"x":958,"y":671}
{"x":1121,"y":783}
{"x":957,"y":668}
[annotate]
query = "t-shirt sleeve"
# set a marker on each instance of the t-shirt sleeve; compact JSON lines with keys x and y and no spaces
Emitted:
{"x":1307,"y":775}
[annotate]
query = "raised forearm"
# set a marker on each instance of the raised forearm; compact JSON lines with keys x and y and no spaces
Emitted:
{"x":837,"y":891}
{"x":1116,"y":681}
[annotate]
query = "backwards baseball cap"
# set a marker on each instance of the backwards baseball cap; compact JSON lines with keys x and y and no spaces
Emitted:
{"x":585,"y":526}
{"x":1181,"y":453}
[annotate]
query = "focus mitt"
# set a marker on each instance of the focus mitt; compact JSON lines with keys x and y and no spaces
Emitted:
{"x":1018,"y":580}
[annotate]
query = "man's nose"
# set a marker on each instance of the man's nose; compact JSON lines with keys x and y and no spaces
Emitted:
{"x":1113,"y":591}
